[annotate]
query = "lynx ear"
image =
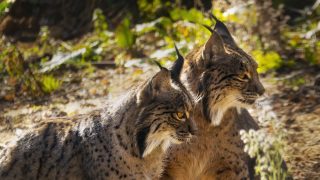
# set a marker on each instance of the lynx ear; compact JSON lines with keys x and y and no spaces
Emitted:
{"x":177,"y":66}
{"x":223,"y":31}
{"x":213,"y":47}
{"x":159,"y":83}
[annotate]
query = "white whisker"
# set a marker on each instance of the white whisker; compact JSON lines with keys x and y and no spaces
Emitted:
{"x":198,"y":97}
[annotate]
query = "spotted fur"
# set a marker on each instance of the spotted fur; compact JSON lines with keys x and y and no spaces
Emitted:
{"x":222,"y":79}
{"x":126,"y":141}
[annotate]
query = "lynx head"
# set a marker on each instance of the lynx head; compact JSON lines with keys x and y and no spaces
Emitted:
{"x":222,"y":75}
{"x":165,"y":111}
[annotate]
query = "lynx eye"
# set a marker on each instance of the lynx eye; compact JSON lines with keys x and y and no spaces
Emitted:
{"x":245,"y":76}
{"x":180,"y":115}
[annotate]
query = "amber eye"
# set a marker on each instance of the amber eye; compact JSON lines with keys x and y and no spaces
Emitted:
{"x":245,"y":76}
{"x":180,"y":115}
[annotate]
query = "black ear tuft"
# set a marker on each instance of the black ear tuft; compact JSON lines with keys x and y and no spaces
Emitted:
{"x":207,"y":27}
{"x":223,"y":31}
{"x":158,"y":64}
{"x":177,"y":51}
{"x":177,"y":66}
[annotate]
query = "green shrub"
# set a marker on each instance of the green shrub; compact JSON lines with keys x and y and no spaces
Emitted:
{"x":4,"y":6}
{"x":267,"y":150}
{"x":49,"y":83}
{"x":99,"y":21}
{"x":12,"y":61}
{"x":270,"y":60}
{"x":192,"y":15}
{"x":124,"y":35}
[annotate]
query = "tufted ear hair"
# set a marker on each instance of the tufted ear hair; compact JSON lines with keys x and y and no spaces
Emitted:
{"x":160,"y":82}
{"x":213,"y":47}
{"x":223,"y":31}
{"x":158,"y":64}
{"x":177,"y":66}
{"x":208,"y":28}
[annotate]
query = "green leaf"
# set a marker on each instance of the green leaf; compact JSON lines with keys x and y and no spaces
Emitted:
{"x":49,"y":83}
{"x":124,"y":36}
{"x":4,"y":5}
{"x":267,"y":61}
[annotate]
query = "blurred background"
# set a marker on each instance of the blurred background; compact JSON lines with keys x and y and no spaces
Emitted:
{"x":64,"y":57}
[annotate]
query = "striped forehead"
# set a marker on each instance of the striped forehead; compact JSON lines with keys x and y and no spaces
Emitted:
{"x":244,"y":57}
{"x":183,"y":94}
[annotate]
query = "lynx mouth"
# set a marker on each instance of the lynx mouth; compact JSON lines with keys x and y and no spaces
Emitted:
{"x":247,"y":101}
{"x":249,"y":98}
{"x":184,"y":137}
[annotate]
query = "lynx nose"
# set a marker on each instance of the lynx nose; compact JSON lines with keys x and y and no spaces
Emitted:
{"x":192,"y":128}
{"x":187,"y":128}
{"x":256,"y":87}
{"x":260,"y":89}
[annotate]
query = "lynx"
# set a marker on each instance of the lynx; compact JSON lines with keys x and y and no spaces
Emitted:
{"x":126,"y":141}
{"x":222,"y":79}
